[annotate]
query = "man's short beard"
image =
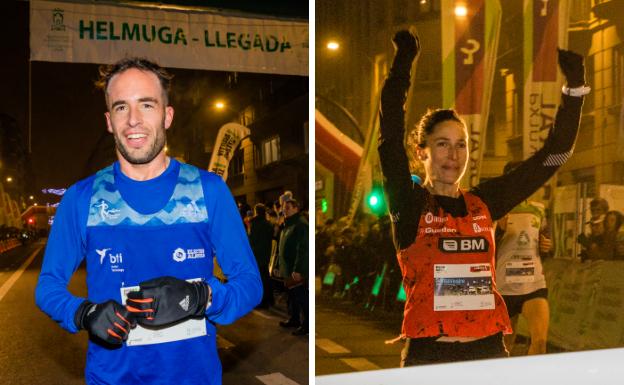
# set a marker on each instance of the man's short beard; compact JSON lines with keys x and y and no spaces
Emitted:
{"x":159,"y":144}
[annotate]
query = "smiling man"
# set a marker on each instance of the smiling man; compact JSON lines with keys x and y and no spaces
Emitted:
{"x":148,"y":227}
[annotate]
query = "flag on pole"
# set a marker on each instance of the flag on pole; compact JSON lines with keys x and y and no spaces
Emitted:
{"x":470,"y":33}
{"x":545,"y":29}
{"x":228,"y":138}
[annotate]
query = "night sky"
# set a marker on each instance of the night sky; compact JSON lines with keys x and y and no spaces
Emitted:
{"x":69,"y":138}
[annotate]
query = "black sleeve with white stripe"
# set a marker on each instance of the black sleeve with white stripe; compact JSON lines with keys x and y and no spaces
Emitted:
{"x":405,"y":198}
{"x":503,"y":193}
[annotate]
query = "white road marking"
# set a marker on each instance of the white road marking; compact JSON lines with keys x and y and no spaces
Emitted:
{"x":261,"y":314}
{"x":223,"y":343}
{"x":15,"y":276}
{"x":276,"y":379}
{"x":330,"y":346}
{"x":360,"y":364}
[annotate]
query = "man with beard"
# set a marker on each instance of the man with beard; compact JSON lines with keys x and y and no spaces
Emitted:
{"x":148,"y":227}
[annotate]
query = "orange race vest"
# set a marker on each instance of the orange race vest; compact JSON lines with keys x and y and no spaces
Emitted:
{"x":449,"y":275}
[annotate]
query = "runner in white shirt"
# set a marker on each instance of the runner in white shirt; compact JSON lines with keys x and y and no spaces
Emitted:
{"x":523,"y":238}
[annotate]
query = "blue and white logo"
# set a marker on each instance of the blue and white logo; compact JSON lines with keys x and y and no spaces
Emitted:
{"x":180,"y":255}
{"x":115,"y":259}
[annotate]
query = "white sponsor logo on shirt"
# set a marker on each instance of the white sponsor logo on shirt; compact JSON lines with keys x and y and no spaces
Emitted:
{"x":480,"y":229}
{"x":463,"y":245}
{"x":115,"y":260}
{"x":180,"y":255}
{"x":429,"y":230}
{"x":105,"y":212}
{"x":430,"y":218}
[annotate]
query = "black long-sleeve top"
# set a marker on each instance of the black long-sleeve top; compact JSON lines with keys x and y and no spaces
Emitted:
{"x":407,"y":199}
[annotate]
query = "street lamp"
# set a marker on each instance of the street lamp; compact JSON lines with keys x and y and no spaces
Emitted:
{"x":461,"y":10}
{"x":9,"y":179}
{"x":219,"y":105}
{"x":31,"y":197}
{"x":333,"y":45}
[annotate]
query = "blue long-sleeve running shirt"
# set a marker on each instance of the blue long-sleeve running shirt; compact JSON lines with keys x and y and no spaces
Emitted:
{"x":131,"y":231}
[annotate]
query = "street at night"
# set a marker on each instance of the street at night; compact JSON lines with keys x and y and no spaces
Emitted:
{"x":34,"y":350}
{"x":346,"y":342}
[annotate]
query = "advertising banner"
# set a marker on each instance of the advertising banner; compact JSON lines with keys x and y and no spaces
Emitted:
{"x":545,"y":29}
{"x":228,"y":138}
{"x":98,"y":33}
{"x":469,"y":46}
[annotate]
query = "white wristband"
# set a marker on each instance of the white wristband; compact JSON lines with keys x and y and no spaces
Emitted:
{"x":577,"y":91}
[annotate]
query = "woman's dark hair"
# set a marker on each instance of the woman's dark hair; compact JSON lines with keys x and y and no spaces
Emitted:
{"x":108,"y":71}
{"x":430,"y":119}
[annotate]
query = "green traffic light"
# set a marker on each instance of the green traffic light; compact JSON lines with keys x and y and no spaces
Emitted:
{"x":375,"y":200}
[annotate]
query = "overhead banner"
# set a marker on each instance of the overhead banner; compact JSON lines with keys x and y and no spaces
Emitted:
{"x":228,"y":138}
{"x":545,"y":29}
{"x":97,"y":33}
{"x":469,"y":46}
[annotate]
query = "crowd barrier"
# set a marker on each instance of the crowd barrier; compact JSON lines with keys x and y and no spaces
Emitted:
{"x":586,"y":301}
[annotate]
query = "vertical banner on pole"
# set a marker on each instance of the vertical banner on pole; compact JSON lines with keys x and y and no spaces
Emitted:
{"x":469,"y":46}
{"x":228,"y":138}
{"x":545,"y":29}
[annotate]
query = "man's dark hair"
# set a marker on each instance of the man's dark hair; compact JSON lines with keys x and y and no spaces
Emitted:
{"x":109,"y":70}
{"x":429,"y":120}
{"x":293,"y":202}
{"x":599,"y":203}
{"x":260,"y":209}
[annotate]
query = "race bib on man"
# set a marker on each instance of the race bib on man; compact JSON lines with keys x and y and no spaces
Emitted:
{"x":463,"y":287}
{"x":190,"y":328}
{"x":520,"y":271}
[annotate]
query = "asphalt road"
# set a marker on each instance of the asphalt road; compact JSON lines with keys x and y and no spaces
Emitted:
{"x":35,"y":350}
{"x":348,"y":341}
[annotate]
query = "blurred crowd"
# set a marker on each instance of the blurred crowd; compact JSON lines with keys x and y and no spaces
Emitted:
{"x":278,"y":236}
{"x":604,"y":236}
{"x":353,"y":259}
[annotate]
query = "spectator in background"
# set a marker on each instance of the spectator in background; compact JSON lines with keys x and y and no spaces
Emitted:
{"x":598,"y":244}
{"x":619,"y":244}
{"x":603,"y":242}
{"x":598,"y":207}
{"x":243,"y":209}
{"x":322,"y":241}
{"x":260,"y":239}
{"x":247,"y":220}
{"x":293,"y":256}
{"x":613,"y":221}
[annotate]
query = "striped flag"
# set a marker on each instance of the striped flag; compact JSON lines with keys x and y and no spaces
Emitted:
{"x":545,"y":29}
{"x":470,"y":32}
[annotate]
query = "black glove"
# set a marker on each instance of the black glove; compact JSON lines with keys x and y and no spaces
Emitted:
{"x":407,"y":47}
{"x":165,"y":300}
{"x":109,"y":321}
{"x":571,"y":65}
